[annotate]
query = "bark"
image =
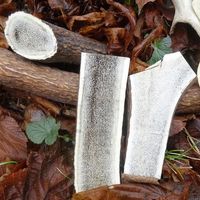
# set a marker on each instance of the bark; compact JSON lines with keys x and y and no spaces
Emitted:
{"x":57,"y":85}
{"x":54,"y":84}
{"x":190,"y":101}
{"x":70,"y":46}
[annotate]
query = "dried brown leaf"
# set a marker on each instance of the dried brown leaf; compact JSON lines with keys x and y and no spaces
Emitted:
{"x":68,"y":125}
{"x":32,"y":113}
{"x":136,"y":191}
{"x":177,"y":126}
{"x":3,"y":41}
{"x":151,"y":14}
{"x":62,"y":4}
{"x":180,"y":40}
{"x":91,"y":30}
{"x":12,"y":139}
{"x":142,"y":3}
{"x":115,"y":38}
{"x":7,"y":7}
{"x":129,"y":13}
{"x":11,"y":188}
{"x":48,"y":105}
{"x":193,"y":127}
{"x":138,"y":27}
{"x":49,"y":171}
{"x":137,"y":50}
{"x":94,"y":18}
{"x":12,"y":143}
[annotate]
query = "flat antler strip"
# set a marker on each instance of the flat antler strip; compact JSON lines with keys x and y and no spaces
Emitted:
{"x":99,"y":120}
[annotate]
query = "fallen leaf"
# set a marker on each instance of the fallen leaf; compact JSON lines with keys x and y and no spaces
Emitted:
{"x":166,"y":8}
{"x":142,"y":3}
{"x":7,"y":7}
{"x":115,"y":38}
{"x":177,"y":126}
{"x":12,"y":187}
{"x":49,"y":173}
{"x":32,"y":113}
{"x":47,"y":105}
{"x":151,"y":14}
{"x":137,"y":50}
{"x":130,"y":14}
{"x":91,"y":30}
{"x":94,"y":18}
{"x":138,"y":28}
{"x":12,"y":139}
{"x":12,"y":143}
{"x":62,"y":4}
{"x":180,"y":40}
{"x":3,"y":41}
{"x":136,"y":191}
{"x":193,"y":127}
{"x":161,"y":47}
{"x":178,"y":141}
{"x":45,"y":130}
{"x":68,"y":125}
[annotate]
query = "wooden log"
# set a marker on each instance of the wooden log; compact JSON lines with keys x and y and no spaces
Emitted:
{"x":54,"y":84}
{"x":57,"y":85}
{"x":190,"y":101}
{"x":38,"y":40}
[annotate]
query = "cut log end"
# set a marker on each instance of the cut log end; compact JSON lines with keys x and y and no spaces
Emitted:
{"x":29,"y":37}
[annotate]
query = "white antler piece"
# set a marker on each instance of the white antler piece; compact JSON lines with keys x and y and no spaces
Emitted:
{"x":196,"y":7}
{"x":184,"y":13}
{"x":152,"y":99}
{"x":29,"y":37}
{"x":198,"y":74}
{"x":101,"y":98}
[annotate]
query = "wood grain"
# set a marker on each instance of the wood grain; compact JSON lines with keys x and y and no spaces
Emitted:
{"x":70,"y":46}
{"x":54,"y":84}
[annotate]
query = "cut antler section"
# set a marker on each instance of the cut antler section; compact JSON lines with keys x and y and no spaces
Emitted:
{"x":99,"y":120}
{"x":198,"y":74}
{"x":36,"y":40}
{"x":184,"y":13}
{"x":153,"y":96}
{"x":196,"y":7}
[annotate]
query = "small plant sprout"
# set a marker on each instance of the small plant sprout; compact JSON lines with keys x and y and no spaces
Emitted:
{"x":46,"y":130}
{"x":193,"y":142}
{"x":176,"y":159}
{"x":8,"y":163}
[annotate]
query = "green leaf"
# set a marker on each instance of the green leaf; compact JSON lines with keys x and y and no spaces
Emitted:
{"x":161,"y":47}
{"x":44,"y":130}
